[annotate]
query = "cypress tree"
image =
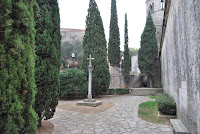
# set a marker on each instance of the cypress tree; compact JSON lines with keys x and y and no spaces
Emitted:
{"x":126,"y":53}
{"x":114,"y":37}
{"x":17,"y":62}
{"x":94,"y":43}
{"x":148,"y":52}
{"x":47,"y":69}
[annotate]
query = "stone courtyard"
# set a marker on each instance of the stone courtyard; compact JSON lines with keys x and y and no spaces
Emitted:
{"x":122,"y":118}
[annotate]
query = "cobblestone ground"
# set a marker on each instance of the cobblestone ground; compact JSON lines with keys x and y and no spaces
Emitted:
{"x":120,"y":119}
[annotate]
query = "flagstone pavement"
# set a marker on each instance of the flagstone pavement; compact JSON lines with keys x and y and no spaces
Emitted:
{"x":122,"y":118}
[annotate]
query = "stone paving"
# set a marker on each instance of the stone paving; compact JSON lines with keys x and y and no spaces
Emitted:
{"x":120,"y":119}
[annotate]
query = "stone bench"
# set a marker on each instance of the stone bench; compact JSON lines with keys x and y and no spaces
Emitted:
{"x":178,"y":126}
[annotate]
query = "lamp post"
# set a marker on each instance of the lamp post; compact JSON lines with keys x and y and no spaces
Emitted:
{"x":73,"y":56}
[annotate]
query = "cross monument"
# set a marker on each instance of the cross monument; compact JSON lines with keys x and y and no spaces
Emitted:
{"x":89,"y":101}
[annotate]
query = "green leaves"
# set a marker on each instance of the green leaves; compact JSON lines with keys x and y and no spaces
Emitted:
{"x":148,"y":53}
{"x":94,"y":43}
{"x":67,"y":48}
{"x":126,"y":69}
{"x":114,"y":37}
{"x":73,"y":82}
{"x":166,"y":104}
{"x":47,"y":70}
{"x":17,"y":61}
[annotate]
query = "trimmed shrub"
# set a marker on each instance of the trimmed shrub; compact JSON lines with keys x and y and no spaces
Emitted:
{"x":122,"y":91}
{"x":166,"y":105}
{"x":110,"y":91}
{"x":73,"y":82}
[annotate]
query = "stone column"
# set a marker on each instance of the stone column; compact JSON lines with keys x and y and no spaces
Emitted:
{"x":90,"y":82}
{"x":90,"y":78}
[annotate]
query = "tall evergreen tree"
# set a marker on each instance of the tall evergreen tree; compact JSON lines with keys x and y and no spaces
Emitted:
{"x":126,"y":53}
{"x":47,"y":69}
{"x":94,"y":43}
{"x":148,"y":53}
{"x":17,"y":62}
{"x":114,"y":37}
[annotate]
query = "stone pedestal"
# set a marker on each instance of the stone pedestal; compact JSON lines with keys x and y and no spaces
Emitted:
{"x":89,"y":97}
{"x":92,"y":103}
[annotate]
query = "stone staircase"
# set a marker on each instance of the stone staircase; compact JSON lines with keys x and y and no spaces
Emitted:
{"x":133,"y":80}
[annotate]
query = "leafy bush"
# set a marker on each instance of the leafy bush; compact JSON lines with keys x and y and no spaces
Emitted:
{"x":73,"y":82}
{"x":119,"y":91}
{"x":166,"y":105}
{"x":110,"y":91}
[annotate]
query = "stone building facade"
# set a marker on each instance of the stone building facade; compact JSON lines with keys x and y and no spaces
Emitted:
{"x":71,"y":34}
{"x":156,"y":8}
{"x":180,"y":59}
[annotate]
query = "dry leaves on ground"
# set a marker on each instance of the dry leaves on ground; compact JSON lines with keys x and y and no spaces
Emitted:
{"x":47,"y":128}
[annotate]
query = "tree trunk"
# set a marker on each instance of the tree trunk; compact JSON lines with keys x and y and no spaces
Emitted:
{"x":39,"y":123}
{"x":150,"y":82}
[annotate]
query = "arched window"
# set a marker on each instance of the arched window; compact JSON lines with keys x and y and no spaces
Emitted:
{"x":162,"y":4}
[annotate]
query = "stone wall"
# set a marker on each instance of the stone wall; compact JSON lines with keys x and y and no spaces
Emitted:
{"x":134,"y":65}
{"x":156,"y":5}
{"x":116,"y":79}
{"x":180,"y":59}
{"x":158,"y":20}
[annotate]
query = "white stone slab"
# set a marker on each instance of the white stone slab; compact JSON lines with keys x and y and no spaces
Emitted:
{"x":179,"y":127}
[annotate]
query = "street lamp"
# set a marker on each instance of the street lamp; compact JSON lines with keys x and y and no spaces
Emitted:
{"x":73,"y":56}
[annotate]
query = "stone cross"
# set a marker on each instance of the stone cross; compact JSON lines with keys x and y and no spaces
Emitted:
{"x":90,"y":77}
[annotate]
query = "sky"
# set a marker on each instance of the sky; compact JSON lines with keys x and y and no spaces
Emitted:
{"x":73,"y":15}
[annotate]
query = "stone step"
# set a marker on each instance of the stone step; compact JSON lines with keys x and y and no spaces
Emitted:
{"x":145,"y":91}
{"x":178,"y":126}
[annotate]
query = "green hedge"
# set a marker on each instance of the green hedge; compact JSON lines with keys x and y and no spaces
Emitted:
{"x":110,"y":91}
{"x":73,"y":83}
{"x":119,"y":91}
{"x":122,"y":91}
{"x":166,"y":105}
